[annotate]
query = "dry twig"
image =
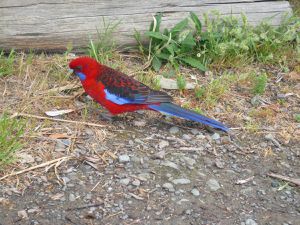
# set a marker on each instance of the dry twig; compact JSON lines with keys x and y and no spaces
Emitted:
{"x":291,"y":180}
{"x":51,"y":162}
{"x":57,"y":120}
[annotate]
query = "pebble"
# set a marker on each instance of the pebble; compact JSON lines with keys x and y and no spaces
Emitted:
{"x":186,"y":137}
{"x":219,"y":164}
{"x":170,"y":164}
{"x":160,"y":155}
{"x":163,"y":144}
{"x":72,"y":197}
{"x":213,"y":184}
{"x":23,"y":214}
{"x":215,"y":136}
{"x":189,"y":161}
{"x":124,"y":158}
{"x":25,"y":158}
{"x":140,"y":123}
{"x":195,"y":192}
{"x":124,"y":181}
{"x":169,"y":187}
{"x":174,"y":130}
{"x":136,"y":183}
{"x":181,"y":181}
{"x":250,"y":222}
{"x":195,"y":131}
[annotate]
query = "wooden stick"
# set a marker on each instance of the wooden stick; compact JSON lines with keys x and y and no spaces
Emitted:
{"x":58,"y":120}
{"x":291,"y":180}
{"x":36,"y":167}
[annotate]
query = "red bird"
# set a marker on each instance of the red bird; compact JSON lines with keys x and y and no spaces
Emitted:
{"x":120,"y":93}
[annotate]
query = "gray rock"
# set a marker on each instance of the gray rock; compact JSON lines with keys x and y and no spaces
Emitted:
{"x":144,"y":176}
{"x":23,"y":214}
{"x":215,"y":136}
{"x":213,"y":184}
{"x":169,"y":187}
{"x":195,"y":131}
{"x":124,"y":181}
{"x":219,"y":164}
{"x":181,"y":181}
{"x":170,"y":164}
{"x":163,"y":144}
{"x":140,"y":123}
{"x":195,"y":192}
{"x":174,"y":130}
{"x":186,"y":137}
{"x":250,"y":222}
{"x":136,"y":183}
{"x":72,"y":197}
{"x":160,"y":155}
{"x":124,"y":158}
{"x":189,"y":161}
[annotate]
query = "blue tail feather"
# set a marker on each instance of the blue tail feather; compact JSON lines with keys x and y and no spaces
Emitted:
{"x":176,"y":110}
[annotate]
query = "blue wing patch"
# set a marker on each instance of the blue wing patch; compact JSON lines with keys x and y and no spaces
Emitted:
{"x":116,"y":99}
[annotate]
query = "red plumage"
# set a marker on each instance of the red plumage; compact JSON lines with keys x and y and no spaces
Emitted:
{"x":119,"y":93}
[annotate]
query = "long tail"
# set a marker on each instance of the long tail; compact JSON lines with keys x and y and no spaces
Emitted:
{"x":177,"y":111}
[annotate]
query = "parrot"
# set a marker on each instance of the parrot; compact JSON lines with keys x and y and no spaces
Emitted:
{"x":120,"y":93}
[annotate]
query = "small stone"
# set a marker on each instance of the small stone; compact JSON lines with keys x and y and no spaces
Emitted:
{"x":174,"y":130}
{"x":213,"y":184}
{"x":170,"y":164}
{"x":181,"y":181}
{"x":189,"y":161}
{"x":144,"y":176}
{"x":195,"y":192}
{"x":124,"y":158}
{"x":163,"y":144}
{"x":140,"y":123}
{"x":186,"y":137}
{"x":136,"y":183}
{"x":23,"y":214}
{"x":160,"y":155}
{"x":250,"y":222}
{"x":72,"y":197}
{"x":124,"y":181}
{"x":25,"y":158}
{"x":195,"y":131}
{"x":215,"y":136}
{"x":169,"y":187}
{"x":219,"y":163}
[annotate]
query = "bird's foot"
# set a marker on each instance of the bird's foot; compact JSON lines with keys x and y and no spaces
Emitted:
{"x":107,"y":116}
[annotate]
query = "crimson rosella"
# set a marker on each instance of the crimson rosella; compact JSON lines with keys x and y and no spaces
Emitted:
{"x":119,"y":93}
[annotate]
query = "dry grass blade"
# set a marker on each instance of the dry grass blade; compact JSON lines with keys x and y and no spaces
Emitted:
{"x":54,"y":161}
{"x":291,"y":180}
{"x":57,"y":120}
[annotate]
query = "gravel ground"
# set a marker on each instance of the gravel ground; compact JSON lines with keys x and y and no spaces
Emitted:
{"x":160,"y":173}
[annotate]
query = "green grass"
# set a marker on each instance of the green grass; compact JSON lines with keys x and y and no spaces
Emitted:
{"x":260,"y":83}
{"x":103,"y":48}
{"x":7,"y":63}
{"x":297,"y":118}
{"x":10,"y":133}
{"x":227,"y":42}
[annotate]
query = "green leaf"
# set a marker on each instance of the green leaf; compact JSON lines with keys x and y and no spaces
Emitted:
{"x":179,"y":26}
{"x":163,"y":56}
{"x":156,"y":35}
{"x":156,"y":63}
{"x":189,"y":41}
{"x":196,"y":21}
{"x":194,"y":62}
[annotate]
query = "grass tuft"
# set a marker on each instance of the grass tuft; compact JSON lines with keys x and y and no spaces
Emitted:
{"x":103,"y":48}
{"x":7,"y":63}
{"x":260,"y":84}
{"x":10,"y":130}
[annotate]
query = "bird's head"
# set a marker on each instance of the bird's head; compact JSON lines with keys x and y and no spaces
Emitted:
{"x":85,"y":67}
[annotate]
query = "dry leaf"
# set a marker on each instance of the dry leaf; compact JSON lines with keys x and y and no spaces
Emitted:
{"x":58,"y":112}
{"x":58,"y":136}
